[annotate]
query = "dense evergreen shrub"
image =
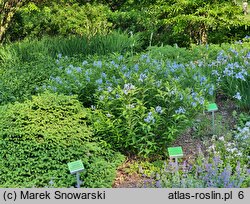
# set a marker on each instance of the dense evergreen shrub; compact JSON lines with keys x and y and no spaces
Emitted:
{"x":40,"y":136}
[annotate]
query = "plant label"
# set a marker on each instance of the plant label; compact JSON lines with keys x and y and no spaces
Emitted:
{"x":76,"y":166}
{"x":175,"y":152}
{"x":212,"y":107}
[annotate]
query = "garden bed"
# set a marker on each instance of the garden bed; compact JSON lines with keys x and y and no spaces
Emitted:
{"x":103,"y":109}
{"x":128,"y":177}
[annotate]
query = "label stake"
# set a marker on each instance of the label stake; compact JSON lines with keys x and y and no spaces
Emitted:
{"x":75,"y":168}
{"x":212,"y":107}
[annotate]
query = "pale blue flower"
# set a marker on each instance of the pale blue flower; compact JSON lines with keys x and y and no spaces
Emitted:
{"x":124,"y":68}
{"x":228,"y":72}
{"x":201,"y":100}
{"x":240,"y":76}
{"x":128,"y":87}
{"x":158,"y":83}
{"x":215,"y":72}
{"x":237,"y":96}
{"x":181,"y":97}
{"x":211,"y":90}
{"x":221,"y":58}
{"x":172,"y":92}
{"x":84,"y":62}
{"x":200,"y":63}
{"x":97,"y":63}
{"x":234,"y":51}
{"x":58,"y":80}
{"x":248,"y":55}
{"x":78,"y":69}
{"x":136,"y":67}
{"x":194,"y":104}
{"x":110,"y":89}
{"x":99,"y":88}
{"x":127,"y":74}
{"x":120,"y":57}
{"x":194,"y":94}
{"x":142,"y":77}
{"x":144,"y":56}
{"x":68,"y":71}
{"x":158,"y":109}
{"x":99,"y":81}
{"x":149,"y":118}
{"x":101,"y":98}
{"x":104,"y":75}
{"x":203,"y":79}
{"x":181,"y":110}
{"x":109,"y":115}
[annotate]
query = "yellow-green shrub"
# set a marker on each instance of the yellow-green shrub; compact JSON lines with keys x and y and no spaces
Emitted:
{"x":40,"y":136}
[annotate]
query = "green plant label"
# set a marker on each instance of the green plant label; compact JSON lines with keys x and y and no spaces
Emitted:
{"x":175,"y":152}
{"x":75,"y":166}
{"x":212,"y":107}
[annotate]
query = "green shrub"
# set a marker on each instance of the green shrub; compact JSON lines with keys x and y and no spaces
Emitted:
{"x":40,"y":136}
{"x":18,"y":81}
{"x":60,"y":19}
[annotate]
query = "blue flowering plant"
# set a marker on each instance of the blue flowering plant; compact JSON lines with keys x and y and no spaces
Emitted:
{"x":146,"y":117}
{"x":211,"y":172}
{"x":233,"y":147}
{"x":146,"y":102}
{"x":231,"y":73}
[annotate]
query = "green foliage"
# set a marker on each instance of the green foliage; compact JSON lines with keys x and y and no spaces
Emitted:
{"x":140,"y":107}
{"x":40,"y":136}
{"x":19,"y":80}
{"x":169,"y":22}
{"x":241,"y":118}
{"x":225,"y":68}
{"x":233,"y":75}
{"x":23,"y":68}
{"x":198,"y":18}
{"x":202,"y":126}
{"x":232,"y":146}
{"x":173,"y":53}
{"x":144,"y":120}
{"x":61,"y":19}
{"x":145,"y":168}
{"x":30,"y":50}
{"x":204,"y":173}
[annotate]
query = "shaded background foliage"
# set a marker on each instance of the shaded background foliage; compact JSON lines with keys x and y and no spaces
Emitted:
{"x":168,"y":22}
